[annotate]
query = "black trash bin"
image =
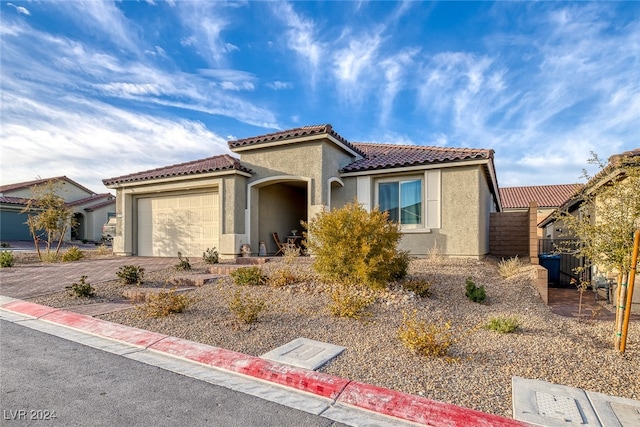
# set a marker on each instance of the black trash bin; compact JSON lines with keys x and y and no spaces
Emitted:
{"x":552,"y":263}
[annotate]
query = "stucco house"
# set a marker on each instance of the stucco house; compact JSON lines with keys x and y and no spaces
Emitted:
{"x":90,"y":210}
{"x":441,"y":196}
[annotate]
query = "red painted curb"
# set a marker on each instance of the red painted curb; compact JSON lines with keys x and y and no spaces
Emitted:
{"x":300,"y":379}
{"x":418,"y":409}
{"x":103,"y":328}
{"x":29,"y":308}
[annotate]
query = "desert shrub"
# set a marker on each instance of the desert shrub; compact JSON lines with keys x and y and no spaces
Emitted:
{"x":420,"y":287}
{"x":6,"y":259}
{"x":82,"y":289}
{"x":72,"y":254}
{"x":349,"y":301}
{"x":49,"y":257}
{"x":503,"y":325}
{"x":509,"y":267}
{"x":103,"y":249}
{"x":475,"y":293}
{"x":290,"y":252}
{"x":248,"y":276}
{"x":246,"y":308}
{"x":352,"y":245}
{"x":210,"y":256}
{"x":183,"y":263}
{"x":425,"y":339}
{"x":165,"y":303}
{"x":281,"y":277}
{"x":131,"y":274}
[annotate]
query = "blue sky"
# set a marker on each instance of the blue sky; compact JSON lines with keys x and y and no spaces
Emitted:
{"x":95,"y":90}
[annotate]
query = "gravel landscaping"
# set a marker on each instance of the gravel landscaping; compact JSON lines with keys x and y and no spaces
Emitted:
{"x":477,"y":372}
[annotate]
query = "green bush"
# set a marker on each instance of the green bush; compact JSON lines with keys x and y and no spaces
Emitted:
{"x":6,"y":259}
{"x":210,"y":256}
{"x":165,"y":303}
{"x":425,"y":339}
{"x":183,"y":263}
{"x":475,"y":293}
{"x":72,"y":254}
{"x":503,"y":325}
{"x":351,"y":245}
{"x":248,"y":276}
{"x":349,"y":301}
{"x":82,"y":289}
{"x":246,"y":308}
{"x":131,"y":274}
{"x":420,"y":287}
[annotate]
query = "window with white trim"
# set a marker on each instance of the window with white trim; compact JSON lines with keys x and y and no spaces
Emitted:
{"x":403,"y":200}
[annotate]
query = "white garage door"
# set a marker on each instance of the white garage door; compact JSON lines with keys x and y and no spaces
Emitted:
{"x":188,"y":224}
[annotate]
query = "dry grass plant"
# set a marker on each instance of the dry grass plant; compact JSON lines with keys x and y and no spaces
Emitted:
{"x":165,"y":303}
{"x":425,"y":339}
{"x":510,"y":267}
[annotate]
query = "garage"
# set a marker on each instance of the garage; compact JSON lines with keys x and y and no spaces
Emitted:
{"x":187,"y":223}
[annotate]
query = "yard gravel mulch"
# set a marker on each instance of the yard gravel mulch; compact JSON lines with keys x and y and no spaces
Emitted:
{"x":477,"y":372}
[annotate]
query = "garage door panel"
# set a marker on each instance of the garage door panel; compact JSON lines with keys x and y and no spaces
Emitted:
{"x":186,"y":223}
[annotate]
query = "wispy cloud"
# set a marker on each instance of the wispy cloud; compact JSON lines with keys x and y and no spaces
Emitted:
{"x":301,"y":38}
{"x":20,"y":9}
{"x":205,"y":22}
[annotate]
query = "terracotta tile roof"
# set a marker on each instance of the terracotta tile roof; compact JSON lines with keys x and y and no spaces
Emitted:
{"x":210,"y":164}
{"x":13,"y":200}
{"x":291,"y":134}
{"x":94,"y":198}
{"x":29,"y":184}
{"x":384,"y":156}
{"x":547,"y":196}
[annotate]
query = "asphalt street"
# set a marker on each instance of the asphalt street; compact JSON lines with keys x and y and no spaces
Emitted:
{"x":49,"y":381}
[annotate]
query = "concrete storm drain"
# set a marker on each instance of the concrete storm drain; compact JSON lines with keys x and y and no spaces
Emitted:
{"x":304,"y":353}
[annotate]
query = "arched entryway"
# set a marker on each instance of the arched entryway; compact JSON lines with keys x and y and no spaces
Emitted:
{"x":77,"y":231}
{"x":278,"y":206}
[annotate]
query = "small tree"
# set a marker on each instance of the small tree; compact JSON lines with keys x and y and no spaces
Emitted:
{"x":608,"y":217}
{"x":48,"y":218}
{"x":352,"y":245}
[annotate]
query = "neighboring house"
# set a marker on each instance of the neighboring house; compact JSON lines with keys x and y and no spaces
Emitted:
{"x":441,"y":196}
{"x":90,"y":210}
{"x":547,"y":197}
{"x":614,"y":170}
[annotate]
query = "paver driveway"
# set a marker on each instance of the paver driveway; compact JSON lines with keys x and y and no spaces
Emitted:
{"x":32,"y":280}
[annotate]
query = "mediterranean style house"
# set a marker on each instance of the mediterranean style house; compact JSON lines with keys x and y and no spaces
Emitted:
{"x":442,"y":197}
{"x":90,"y":210}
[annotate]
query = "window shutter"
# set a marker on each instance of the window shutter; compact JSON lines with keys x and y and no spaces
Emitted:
{"x":364,"y":192}
{"x":432,"y":198}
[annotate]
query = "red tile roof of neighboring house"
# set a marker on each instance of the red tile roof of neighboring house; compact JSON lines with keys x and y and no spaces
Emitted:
{"x":291,"y":134}
{"x":96,"y":201}
{"x":13,"y":200}
{"x":210,"y":164}
{"x":547,"y":196}
{"x":383,"y":156}
{"x":29,"y":184}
